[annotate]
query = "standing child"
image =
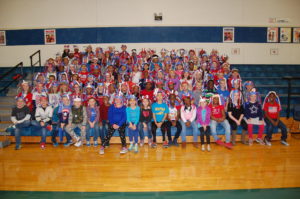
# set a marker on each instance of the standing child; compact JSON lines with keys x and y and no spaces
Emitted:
{"x":272,"y":108}
{"x":173,"y":120}
{"x":145,"y":120}
{"x":236,"y":115}
{"x":20,"y":117}
{"x":117,"y":121}
{"x":77,"y":119}
{"x":160,"y":112}
{"x":254,"y":116}
{"x":188,"y":114}
{"x":203,"y":119}
{"x":93,"y":114}
{"x":133,"y":117}
{"x":43,"y":115}
{"x":218,"y":116}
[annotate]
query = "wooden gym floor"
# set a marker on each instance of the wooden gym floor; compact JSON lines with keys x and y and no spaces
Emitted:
{"x":150,"y":171}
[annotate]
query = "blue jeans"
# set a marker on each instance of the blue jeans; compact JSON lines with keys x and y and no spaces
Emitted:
{"x":270,"y":129}
{"x":133,"y":134}
{"x":95,"y":129}
{"x":183,"y":132}
{"x":103,"y":129}
{"x":19,"y":128}
{"x":226,"y":126}
{"x":145,"y":132}
{"x":43,"y":130}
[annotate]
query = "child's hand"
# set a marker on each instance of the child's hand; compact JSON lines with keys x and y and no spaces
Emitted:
{"x":145,"y":125}
{"x":42,"y":123}
{"x":173,"y":123}
{"x":188,"y":123}
{"x":133,"y":127}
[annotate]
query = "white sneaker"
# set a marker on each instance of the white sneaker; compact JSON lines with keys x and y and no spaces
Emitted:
{"x":203,"y":147}
{"x":78,"y":144}
{"x":124,"y":150}
{"x":284,"y":143}
{"x":208,"y":148}
{"x":268,"y":143}
{"x":260,"y":141}
{"x":101,"y":152}
{"x":250,"y":142}
{"x":77,"y":138}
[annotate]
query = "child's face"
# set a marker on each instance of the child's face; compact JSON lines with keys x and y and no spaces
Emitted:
{"x":89,"y":90}
{"x":203,"y":104}
{"x":145,"y":102}
{"x":55,"y":88}
{"x":65,"y":101}
{"x":179,"y":67}
{"x":132,"y":102}
{"x":76,"y":88}
{"x":40,"y":87}
{"x":159,"y":97}
{"x":253,"y":98}
{"x":92,"y":102}
{"x":118,"y":101}
{"x":44,"y":102}
{"x":185,"y":86}
{"x":236,"y":96}
{"x":25,"y":87}
{"x":63,"y":77}
{"x":198,"y":86}
{"x":105,"y":100}
{"x":222,"y":84}
{"x":20,"y":103}
{"x":172,"y":99}
{"x":272,"y":97}
{"x":51,"y":78}
{"x":249,"y":87}
{"x":216,"y":101}
{"x":210,"y":85}
{"x":77,"y":104}
{"x":83,"y":68}
{"x":171,"y":86}
{"x":187,"y":101}
{"x":148,"y":85}
{"x":90,"y":79}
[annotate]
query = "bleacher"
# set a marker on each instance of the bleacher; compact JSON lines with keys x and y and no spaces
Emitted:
{"x":265,"y":78}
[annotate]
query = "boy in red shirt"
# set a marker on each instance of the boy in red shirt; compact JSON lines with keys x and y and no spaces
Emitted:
{"x":272,"y":108}
{"x":148,"y":91}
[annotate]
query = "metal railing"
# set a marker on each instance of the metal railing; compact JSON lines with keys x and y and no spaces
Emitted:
{"x":33,"y":65}
{"x":289,"y":79}
{"x":15,"y":78}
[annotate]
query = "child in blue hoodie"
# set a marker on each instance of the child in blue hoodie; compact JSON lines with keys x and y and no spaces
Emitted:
{"x":133,"y":117}
{"x":117,"y":121}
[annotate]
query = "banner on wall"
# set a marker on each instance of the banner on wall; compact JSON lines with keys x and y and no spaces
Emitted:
{"x":285,"y":35}
{"x":228,"y":34}
{"x":272,"y":35}
{"x":2,"y":38}
{"x":296,"y":35}
{"x":50,"y":36}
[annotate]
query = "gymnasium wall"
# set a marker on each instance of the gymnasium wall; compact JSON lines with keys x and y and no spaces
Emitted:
{"x":186,"y":24}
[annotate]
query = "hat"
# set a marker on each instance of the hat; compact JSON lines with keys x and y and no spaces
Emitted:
{"x":20,"y":97}
{"x":24,"y":82}
{"x":202,"y":99}
{"x":77,"y":99}
{"x":100,"y":84}
{"x":131,"y":97}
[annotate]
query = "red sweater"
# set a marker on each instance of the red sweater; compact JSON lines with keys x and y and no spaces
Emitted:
{"x":104,"y":112}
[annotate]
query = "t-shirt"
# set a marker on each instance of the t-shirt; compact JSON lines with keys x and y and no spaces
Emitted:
{"x":93,"y":115}
{"x":159,"y":110}
{"x":236,"y":112}
{"x":20,"y":113}
{"x":271,"y":110}
{"x":216,"y":111}
{"x":173,"y":113}
{"x":146,"y":115}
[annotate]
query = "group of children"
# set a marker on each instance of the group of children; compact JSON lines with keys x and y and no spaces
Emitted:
{"x":141,"y":95}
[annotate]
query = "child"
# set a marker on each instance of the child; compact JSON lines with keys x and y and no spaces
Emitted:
{"x":203,"y":119}
{"x":218,"y":117}
{"x":20,"y":117}
{"x":254,"y":116}
{"x":173,"y":120}
{"x":103,"y":119}
{"x":93,"y":115}
{"x":43,"y":115}
{"x":133,"y":117}
{"x":61,"y":120}
{"x":77,"y":119}
{"x":188,"y":114}
{"x":26,"y":95}
{"x":223,"y":92}
{"x":236,"y":115}
{"x":160,"y":112}
{"x":145,"y":120}
{"x":117,"y":121}
{"x":54,"y":97}
{"x":37,"y":94}
{"x":272,"y":108}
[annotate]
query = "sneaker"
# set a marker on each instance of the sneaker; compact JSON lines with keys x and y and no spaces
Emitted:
{"x":268,"y":143}
{"x":18,"y":147}
{"x":43,"y":146}
{"x":136,"y":148}
{"x":142,"y":143}
{"x":55,"y":144}
{"x":175,"y":143}
{"x":87,"y":143}
{"x":260,"y":141}
{"x":283,"y":142}
{"x":153,"y":145}
{"x":95,"y":143}
{"x":67,"y":144}
{"x":228,"y":145}
{"x":123,"y":150}
{"x":101,"y":152}
{"x":203,"y":147}
{"x":170,"y":143}
{"x":219,"y":142}
{"x":130,"y":147}
{"x":165,"y":144}
{"x":208,"y":147}
{"x":149,"y":142}
{"x":77,"y":138}
{"x":250,"y":141}
{"x":78,"y":144}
